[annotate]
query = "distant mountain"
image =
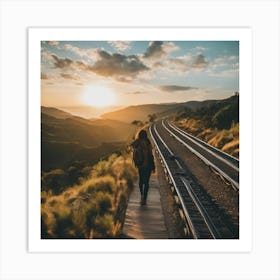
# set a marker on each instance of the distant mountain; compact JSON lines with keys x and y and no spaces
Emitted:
{"x":66,"y":137}
{"x":141,"y":112}
{"x":54,"y":112}
{"x":88,"y":111}
{"x":58,"y":125}
{"x":137,"y":112}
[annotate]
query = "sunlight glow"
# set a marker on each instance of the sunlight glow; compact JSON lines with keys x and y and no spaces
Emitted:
{"x":98,"y":96}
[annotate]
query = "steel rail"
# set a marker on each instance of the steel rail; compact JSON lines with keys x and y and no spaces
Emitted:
{"x":210,"y":225}
{"x":202,"y":145}
{"x":168,"y":149}
{"x":212,"y":228}
{"x":207,"y":162}
{"x":185,"y":210}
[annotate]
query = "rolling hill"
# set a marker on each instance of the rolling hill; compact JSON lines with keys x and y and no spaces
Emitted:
{"x":88,"y":112}
{"x":217,"y":124}
{"x":219,"y":114}
{"x":141,"y":112}
{"x":54,"y":112}
{"x":66,"y":138}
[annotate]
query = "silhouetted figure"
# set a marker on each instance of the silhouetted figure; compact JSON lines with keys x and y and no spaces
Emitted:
{"x":144,"y":161}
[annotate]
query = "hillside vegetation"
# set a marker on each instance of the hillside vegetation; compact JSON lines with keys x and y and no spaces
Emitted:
{"x":64,"y":127}
{"x":141,"y":112}
{"x":66,"y":138}
{"x":93,"y":208}
{"x":138,"y":112}
{"x":86,"y":175}
{"x":217,"y":124}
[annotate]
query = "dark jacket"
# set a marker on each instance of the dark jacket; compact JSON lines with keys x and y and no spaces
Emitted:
{"x":148,"y":162}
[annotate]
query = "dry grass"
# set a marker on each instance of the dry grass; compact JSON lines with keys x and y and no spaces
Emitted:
{"x":232,"y":148}
{"x":226,"y":140}
{"x":94,"y":208}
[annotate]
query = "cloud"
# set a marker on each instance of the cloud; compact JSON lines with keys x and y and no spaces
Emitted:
{"x":226,"y":73}
{"x":200,"y":62}
{"x":224,"y":66}
{"x":46,"y":55}
{"x":121,"y":67}
{"x":57,"y":77}
{"x":169,"y":47}
{"x":52,"y":43}
{"x":173,"y":88}
{"x":233,"y":57}
{"x":222,"y":61}
{"x":158,"y":49}
{"x":179,"y":65}
{"x":69,"y":76}
{"x":91,"y":54}
{"x":154,"y":49}
{"x":62,"y":63}
{"x":120,"y":45}
{"x":70,"y":64}
{"x":200,"y":48}
{"x":137,"y":92}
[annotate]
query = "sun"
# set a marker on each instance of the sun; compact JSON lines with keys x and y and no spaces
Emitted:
{"x":98,"y":96}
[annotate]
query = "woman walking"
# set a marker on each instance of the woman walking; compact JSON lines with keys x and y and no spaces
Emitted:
{"x":144,"y":161}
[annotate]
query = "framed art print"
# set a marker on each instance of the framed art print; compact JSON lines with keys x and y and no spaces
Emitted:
{"x":140,"y":139}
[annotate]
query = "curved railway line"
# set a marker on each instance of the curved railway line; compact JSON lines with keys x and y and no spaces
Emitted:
{"x":225,"y":165}
{"x":202,"y":218}
{"x":230,"y":160}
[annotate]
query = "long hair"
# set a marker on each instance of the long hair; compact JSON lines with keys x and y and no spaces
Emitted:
{"x":142,"y":134}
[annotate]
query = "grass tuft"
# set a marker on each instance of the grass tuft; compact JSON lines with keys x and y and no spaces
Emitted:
{"x":95,"y":207}
{"x":226,"y":139}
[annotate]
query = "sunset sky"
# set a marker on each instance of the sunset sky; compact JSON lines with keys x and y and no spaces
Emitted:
{"x":121,"y":73}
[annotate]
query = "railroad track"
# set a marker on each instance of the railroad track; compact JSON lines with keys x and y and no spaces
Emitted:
{"x":225,"y":165}
{"x":201,"y":215}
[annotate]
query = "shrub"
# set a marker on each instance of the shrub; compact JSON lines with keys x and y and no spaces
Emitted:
{"x":63,"y":225}
{"x":44,"y":226}
{"x":218,"y":138}
{"x":106,"y":184}
{"x":129,"y":175}
{"x":104,"y":226}
{"x":104,"y":202}
{"x":95,"y":207}
{"x":55,"y":180}
{"x":103,"y":167}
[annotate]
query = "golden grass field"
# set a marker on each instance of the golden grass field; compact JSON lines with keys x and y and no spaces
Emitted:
{"x":226,"y":139}
{"x":95,"y":207}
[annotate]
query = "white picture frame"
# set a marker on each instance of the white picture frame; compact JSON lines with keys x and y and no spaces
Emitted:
{"x":16,"y":262}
